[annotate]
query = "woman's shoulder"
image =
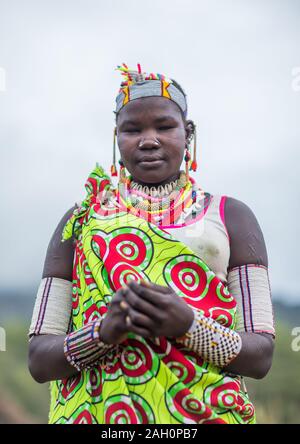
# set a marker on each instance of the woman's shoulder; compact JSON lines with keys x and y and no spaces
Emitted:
{"x":57,"y":235}
{"x":238,"y":213}
{"x":247,"y":244}
{"x":59,"y":255}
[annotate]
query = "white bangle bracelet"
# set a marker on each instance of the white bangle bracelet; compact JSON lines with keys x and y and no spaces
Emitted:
{"x":215,"y":343}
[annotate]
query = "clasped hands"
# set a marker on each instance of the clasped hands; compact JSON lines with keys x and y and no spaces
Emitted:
{"x":147,"y":309}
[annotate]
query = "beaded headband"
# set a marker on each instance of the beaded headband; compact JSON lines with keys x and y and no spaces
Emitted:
{"x":138,"y":84}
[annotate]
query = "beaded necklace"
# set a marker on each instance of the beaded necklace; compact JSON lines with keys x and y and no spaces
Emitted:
{"x":161,"y":190}
{"x":161,"y":205}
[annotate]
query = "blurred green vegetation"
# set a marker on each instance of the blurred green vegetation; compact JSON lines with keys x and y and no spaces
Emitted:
{"x":16,"y":383}
{"x":276,"y":397}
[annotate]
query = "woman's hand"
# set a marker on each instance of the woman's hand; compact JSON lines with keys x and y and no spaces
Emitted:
{"x":113,"y":328}
{"x":153,"y":310}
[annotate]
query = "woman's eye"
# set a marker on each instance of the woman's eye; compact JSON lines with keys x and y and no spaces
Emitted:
{"x":165,"y":128}
{"x":132,"y":130}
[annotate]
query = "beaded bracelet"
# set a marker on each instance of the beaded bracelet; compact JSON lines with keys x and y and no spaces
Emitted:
{"x":84,"y":349}
{"x":215,"y":343}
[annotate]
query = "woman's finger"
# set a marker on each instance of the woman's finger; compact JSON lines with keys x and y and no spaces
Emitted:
{"x":153,"y":286}
{"x":124,"y":306}
{"x":139,"y":319}
{"x":154,"y":297}
{"x":140,"y":331}
{"x":118,"y":297}
{"x":137,"y":328}
{"x":140,"y":304}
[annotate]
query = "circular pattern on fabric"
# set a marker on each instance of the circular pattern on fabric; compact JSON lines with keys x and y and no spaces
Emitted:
{"x":122,"y":273}
{"x":89,"y":279}
{"x":112,"y":370}
{"x":160,"y":345}
{"x":119,"y":410}
{"x":98,"y":243}
{"x":132,"y":244}
{"x":184,"y":371}
{"x":75,"y":299}
{"x":221,"y":315}
{"x":138,"y":363}
{"x":223,"y":293}
{"x":94,"y":385}
{"x":68,"y":388}
{"x":188,"y":276}
{"x":82,"y":415}
{"x":91,"y":311}
{"x":179,"y":370}
{"x":184,"y":407}
{"x":143,"y":409}
{"x":187,"y":368}
{"x":128,"y":250}
{"x":222,"y":395}
{"x":192,"y":356}
{"x":245,"y":409}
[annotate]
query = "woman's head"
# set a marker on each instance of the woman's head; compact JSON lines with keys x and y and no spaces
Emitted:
{"x":153,"y":132}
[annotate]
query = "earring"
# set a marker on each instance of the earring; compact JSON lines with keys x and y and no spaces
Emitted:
{"x":122,"y":172}
{"x":194,"y":162}
{"x":187,"y":158}
{"x":113,"y":169}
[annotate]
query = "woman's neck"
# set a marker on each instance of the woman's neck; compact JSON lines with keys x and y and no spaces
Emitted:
{"x":157,"y":184}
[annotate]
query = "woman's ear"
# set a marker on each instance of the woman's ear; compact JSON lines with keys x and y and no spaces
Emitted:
{"x":189,"y":130}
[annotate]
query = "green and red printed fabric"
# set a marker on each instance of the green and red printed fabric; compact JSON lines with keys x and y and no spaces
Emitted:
{"x":151,"y":381}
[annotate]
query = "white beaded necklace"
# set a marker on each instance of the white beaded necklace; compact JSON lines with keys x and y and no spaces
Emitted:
{"x":161,"y":190}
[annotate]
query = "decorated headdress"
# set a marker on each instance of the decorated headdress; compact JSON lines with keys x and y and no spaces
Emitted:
{"x":138,"y":84}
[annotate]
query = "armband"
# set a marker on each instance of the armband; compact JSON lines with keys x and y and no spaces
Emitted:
{"x":212,"y":341}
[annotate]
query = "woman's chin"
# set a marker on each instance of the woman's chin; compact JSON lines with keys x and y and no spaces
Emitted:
{"x":152,"y":172}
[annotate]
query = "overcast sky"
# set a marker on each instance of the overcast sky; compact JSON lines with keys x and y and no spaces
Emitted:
{"x":239,"y":63}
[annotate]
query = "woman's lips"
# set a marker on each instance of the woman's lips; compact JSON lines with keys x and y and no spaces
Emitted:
{"x":151,"y":163}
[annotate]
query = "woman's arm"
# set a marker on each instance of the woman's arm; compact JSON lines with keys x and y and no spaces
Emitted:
{"x":50,"y":354}
{"x":247,"y":246}
{"x":46,"y":359}
{"x":255,"y":357}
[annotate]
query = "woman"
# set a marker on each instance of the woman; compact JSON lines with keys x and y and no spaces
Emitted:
{"x":164,"y":305}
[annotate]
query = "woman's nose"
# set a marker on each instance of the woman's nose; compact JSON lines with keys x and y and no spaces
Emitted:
{"x":149,"y":142}
{"x":149,"y":139}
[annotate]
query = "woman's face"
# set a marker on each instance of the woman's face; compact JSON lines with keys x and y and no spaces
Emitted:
{"x":152,"y":137}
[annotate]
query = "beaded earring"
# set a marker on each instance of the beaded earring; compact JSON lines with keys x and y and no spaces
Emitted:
{"x":122,"y":172}
{"x":187,"y":158}
{"x":113,"y":168}
{"x":191,"y":165}
{"x":194,"y":162}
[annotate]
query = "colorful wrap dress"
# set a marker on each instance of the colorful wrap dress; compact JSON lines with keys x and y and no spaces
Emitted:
{"x":144,"y":380}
